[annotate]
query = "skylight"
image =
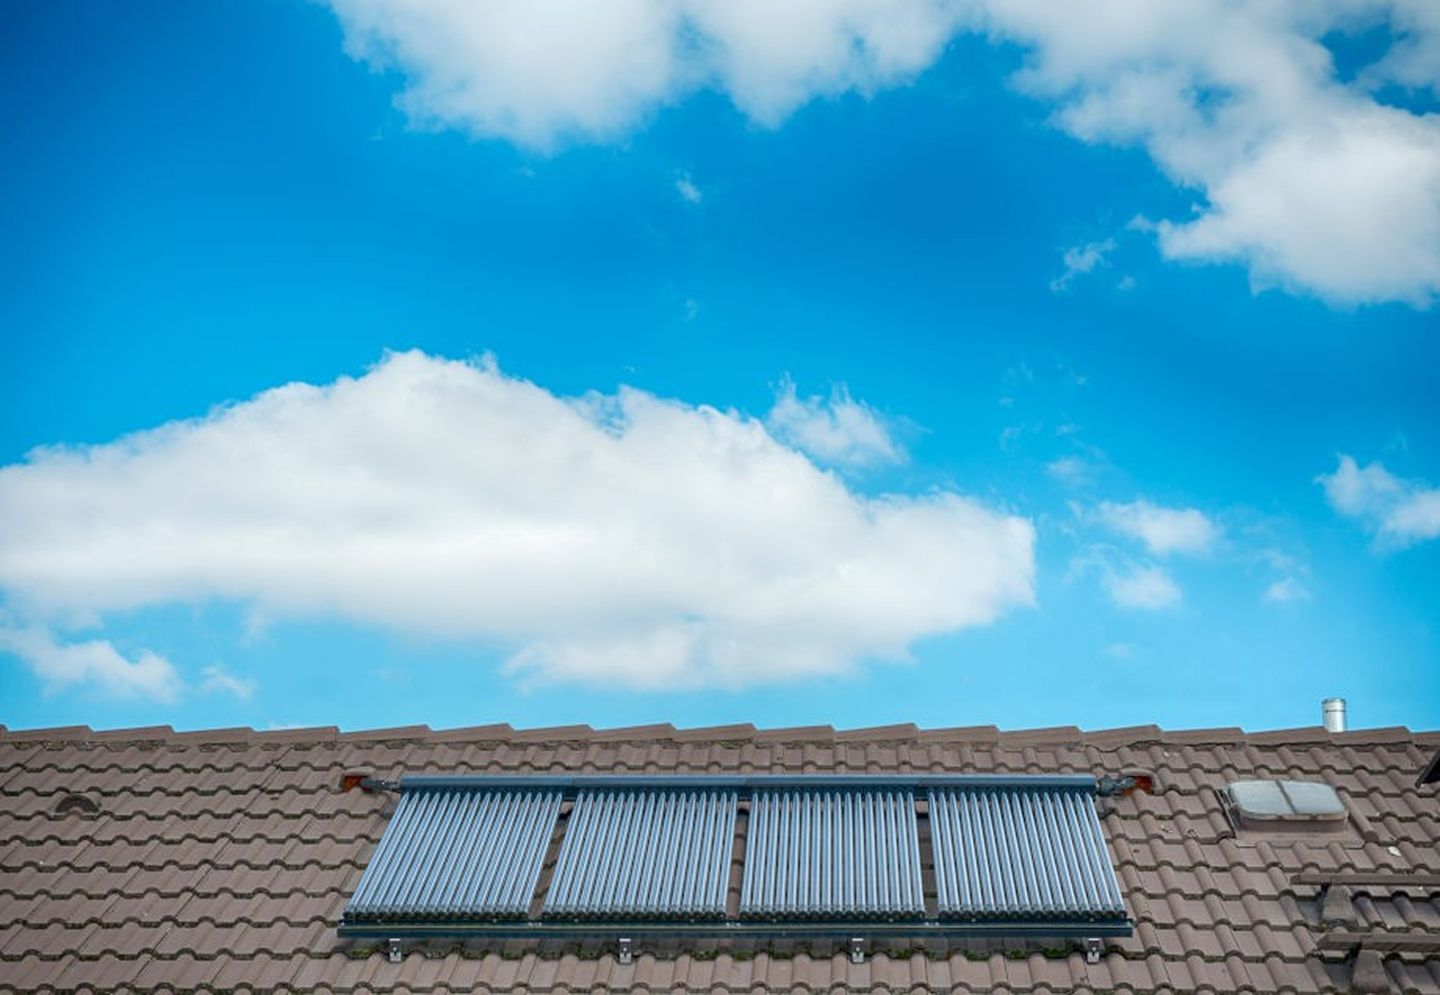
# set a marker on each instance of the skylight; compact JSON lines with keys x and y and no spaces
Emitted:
{"x":1275,"y":804}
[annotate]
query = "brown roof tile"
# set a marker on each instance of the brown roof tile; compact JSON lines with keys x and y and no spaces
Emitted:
{"x":1053,"y":735}
{"x":383,"y":735}
{"x":305,"y":734}
{"x":553,"y":734}
{"x":961,"y":734}
{"x":712,"y":734}
{"x":796,"y":734}
{"x":53,"y":734}
{"x":135,"y":734}
{"x":223,"y":859}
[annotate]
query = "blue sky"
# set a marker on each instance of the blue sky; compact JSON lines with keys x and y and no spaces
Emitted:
{"x":951,"y":364}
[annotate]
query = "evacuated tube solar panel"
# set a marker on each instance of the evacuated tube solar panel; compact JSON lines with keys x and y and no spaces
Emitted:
{"x":662,"y":854}
{"x":457,"y":854}
{"x":817,"y":854}
{"x":1023,"y":853}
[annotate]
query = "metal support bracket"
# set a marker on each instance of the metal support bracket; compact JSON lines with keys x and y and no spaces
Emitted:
{"x":857,"y":950}
{"x":625,"y":950}
{"x":393,"y":953}
{"x":1093,"y":948}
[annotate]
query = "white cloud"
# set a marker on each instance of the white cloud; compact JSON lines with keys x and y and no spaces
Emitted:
{"x":622,"y":539}
{"x":687,"y":189}
{"x":1413,"y":60}
{"x":1309,"y":182}
{"x":217,"y":680}
{"x":535,"y":73}
{"x":1305,"y":179}
{"x":1400,"y":512}
{"x":772,"y":57}
{"x":95,"y":664}
{"x":1284,"y":591}
{"x":1079,"y":260}
{"x":837,"y":430}
{"x":1145,"y":588}
{"x":542,"y":72}
{"x":1162,"y":530}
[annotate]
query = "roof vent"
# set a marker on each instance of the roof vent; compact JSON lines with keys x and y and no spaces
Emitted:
{"x":73,"y":802}
{"x":1285,"y":806}
{"x":1332,"y":710}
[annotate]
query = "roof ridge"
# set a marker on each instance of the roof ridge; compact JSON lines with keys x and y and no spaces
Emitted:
{"x":978,"y":734}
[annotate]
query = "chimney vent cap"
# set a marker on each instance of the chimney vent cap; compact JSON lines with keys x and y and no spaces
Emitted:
{"x":1333,"y":711}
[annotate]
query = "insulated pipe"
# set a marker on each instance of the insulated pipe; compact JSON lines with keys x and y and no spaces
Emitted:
{"x":744,"y":784}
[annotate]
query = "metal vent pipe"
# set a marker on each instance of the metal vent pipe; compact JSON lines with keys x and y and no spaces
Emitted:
{"x":1334,"y":711}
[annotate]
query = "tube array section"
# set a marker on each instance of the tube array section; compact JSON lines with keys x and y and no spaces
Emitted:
{"x":1021,"y":854}
{"x":459,"y":854}
{"x":842,"y":854}
{"x":645,"y":854}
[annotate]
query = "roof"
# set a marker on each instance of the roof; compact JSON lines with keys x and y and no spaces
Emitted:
{"x":223,"y":859}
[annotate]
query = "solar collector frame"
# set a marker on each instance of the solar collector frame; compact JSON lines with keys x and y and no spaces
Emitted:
{"x":678,"y":895}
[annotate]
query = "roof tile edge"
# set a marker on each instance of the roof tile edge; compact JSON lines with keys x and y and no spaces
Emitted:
{"x":985,"y":735}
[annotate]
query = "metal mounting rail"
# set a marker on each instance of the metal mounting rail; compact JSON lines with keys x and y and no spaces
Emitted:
{"x":592,"y":929}
{"x":745,"y":784}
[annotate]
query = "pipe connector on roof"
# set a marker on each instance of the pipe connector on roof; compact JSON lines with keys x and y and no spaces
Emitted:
{"x":364,"y":778}
{"x":1108,"y":784}
{"x":352,"y":779}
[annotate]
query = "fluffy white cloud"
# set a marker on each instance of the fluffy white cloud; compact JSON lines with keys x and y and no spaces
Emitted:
{"x":772,"y":56}
{"x":1413,"y":60}
{"x":623,"y":538}
{"x":837,"y":430}
{"x":1079,"y":260}
{"x":540,"y":72}
{"x":1145,"y":588}
{"x":531,"y":72}
{"x":1162,"y":530}
{"x":1306,"y":179}
{"x":95,"y":664}
{"x":1400,"y":512}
